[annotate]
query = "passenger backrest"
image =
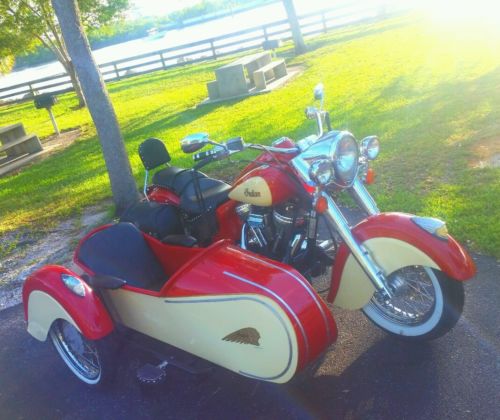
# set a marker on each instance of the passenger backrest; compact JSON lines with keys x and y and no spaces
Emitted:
{"x":153,"y":153}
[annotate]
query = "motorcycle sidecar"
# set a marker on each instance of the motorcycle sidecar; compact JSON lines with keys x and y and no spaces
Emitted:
{"x":251,"y":315}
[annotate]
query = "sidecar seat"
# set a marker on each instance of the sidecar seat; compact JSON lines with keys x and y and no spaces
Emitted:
{"x":153,"y":154}
{"x":121,"y":251}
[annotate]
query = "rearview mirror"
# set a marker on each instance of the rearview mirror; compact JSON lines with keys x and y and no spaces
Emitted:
{"x":194,"y":142}
{"x":319,"y":92}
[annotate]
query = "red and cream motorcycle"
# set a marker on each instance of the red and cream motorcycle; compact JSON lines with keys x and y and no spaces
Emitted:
{"x":223,"y":272}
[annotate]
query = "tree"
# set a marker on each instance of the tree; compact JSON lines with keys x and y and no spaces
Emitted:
{"x":28,"y":23}
{"x":298,"y":40}
{"x":6,"y":64}
{"x":113,"y":148}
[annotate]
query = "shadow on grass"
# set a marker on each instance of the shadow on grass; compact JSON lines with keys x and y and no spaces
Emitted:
{"x":163,"y":76}
{"x":137,"y":128}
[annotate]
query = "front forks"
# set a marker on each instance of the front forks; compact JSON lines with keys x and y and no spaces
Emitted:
{"x":336,"y":219}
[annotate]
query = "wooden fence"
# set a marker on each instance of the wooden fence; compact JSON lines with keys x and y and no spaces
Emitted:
{"x":207,"y":49}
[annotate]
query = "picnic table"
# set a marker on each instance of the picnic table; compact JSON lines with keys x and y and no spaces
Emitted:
{"x":15,"y":142}
{"x":240,"y":76}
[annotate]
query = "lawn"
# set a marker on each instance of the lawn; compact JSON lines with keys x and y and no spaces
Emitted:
{"x":431,"y":92}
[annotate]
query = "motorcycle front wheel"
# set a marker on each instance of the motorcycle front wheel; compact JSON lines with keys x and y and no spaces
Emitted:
{"x":90,"y":361}
{"x":426,"y":304}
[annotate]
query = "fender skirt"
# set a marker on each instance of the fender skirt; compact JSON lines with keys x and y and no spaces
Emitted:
{"x":394,"y":241}
{"x":46,"y":299}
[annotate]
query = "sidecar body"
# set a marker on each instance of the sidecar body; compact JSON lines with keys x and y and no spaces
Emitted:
{"x":251,"y":315}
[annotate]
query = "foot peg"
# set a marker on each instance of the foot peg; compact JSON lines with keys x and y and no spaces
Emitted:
{"x":152,"y":375}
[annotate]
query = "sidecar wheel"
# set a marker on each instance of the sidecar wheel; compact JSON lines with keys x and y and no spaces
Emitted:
{"x":90,"y":361}
{"x":426,"y":305}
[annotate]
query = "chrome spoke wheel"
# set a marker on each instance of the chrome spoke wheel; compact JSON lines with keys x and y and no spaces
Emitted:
{"x":414,"y":296}
{"x":419,"y":305}
{"x":79,"y":354}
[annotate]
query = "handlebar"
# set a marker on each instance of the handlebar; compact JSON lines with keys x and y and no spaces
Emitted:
{"x":212,"y":153}
{"x":234,"y":145}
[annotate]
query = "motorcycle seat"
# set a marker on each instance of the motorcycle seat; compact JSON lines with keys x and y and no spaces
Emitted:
{"x":175,"y":178}
{"x":154,"y":154}
{"x":121,"y":251}
{"x":213,"y":193}
{"x":155,"y":219}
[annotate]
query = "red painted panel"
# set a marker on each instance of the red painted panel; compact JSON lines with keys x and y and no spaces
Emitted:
{"x":228,"y":222}
{"x":162,"y":195}
{"x":448,"y":254}
{"x":88,"y":312}
{"x":227,"y":269}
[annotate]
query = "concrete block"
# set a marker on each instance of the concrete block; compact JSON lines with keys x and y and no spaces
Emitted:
{"x":213,"y":89}
{"x":231,"y":80}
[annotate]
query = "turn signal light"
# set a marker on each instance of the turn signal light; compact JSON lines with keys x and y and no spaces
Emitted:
{"x":321,"y":205}
{"x":370,"y":176}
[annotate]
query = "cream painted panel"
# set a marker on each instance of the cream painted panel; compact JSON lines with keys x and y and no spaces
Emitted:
{"x":252,"y":191}
{"x":43,"y":310}
{"x":390,"y":254}
{"x":198,"y":325}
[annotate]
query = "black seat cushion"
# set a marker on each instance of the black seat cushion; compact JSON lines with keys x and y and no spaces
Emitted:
{"x":213,"y":191}
{"x":175,"y":178}
{"x":156,"y":219}
{"x":121,"y":251}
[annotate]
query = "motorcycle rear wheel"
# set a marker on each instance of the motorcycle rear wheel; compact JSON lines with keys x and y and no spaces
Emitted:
{"x":90,"y":361}
{"x":426,"y":305}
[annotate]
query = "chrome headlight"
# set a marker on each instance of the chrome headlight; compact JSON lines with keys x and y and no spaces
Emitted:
{"x":370,"y":147}
{"x":345,"y":159}
{"x":321,"y":171}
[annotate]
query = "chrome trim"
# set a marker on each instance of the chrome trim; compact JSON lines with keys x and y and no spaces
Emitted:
{"x":270,"y":378}
{"x":146,"y":185}
{"x":288,"y":150}
{"x":305,"y":286}
{"x":243,"y":241}
{"x":319,"y":122}
{"x":363,"y":198}
{"x":336,"y":219}
{"x":436,"y":227}
{"x":280,"y":299}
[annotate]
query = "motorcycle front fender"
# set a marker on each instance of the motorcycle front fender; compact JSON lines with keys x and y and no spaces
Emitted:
{"x":46,"y":299}
{"x":394,"y":241}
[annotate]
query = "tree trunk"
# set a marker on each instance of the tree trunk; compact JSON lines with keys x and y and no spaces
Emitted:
{"x":298,"y":40}
{"x":122,"y":182}
{"x":70,"y":69}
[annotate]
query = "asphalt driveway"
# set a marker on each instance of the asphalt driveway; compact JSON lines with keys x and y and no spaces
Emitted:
{"x":366,"y":375}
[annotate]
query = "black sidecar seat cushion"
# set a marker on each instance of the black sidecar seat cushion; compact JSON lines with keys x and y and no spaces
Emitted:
{"x":213,"y":191}
{"x":121,"y":251}
{"x":176,"y":179}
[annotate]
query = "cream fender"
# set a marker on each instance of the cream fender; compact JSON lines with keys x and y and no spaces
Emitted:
{"x":43,"y":310}
{"x":356,"y":289}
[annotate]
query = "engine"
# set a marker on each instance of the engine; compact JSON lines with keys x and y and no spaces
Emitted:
{"x":277,"y":232}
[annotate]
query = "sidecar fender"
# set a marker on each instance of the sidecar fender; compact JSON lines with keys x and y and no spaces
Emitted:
{"x":394,"y":241}
{"x":46,"y":299}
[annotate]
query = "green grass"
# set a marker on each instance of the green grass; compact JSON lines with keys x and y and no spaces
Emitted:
{"x":430,"y":92}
